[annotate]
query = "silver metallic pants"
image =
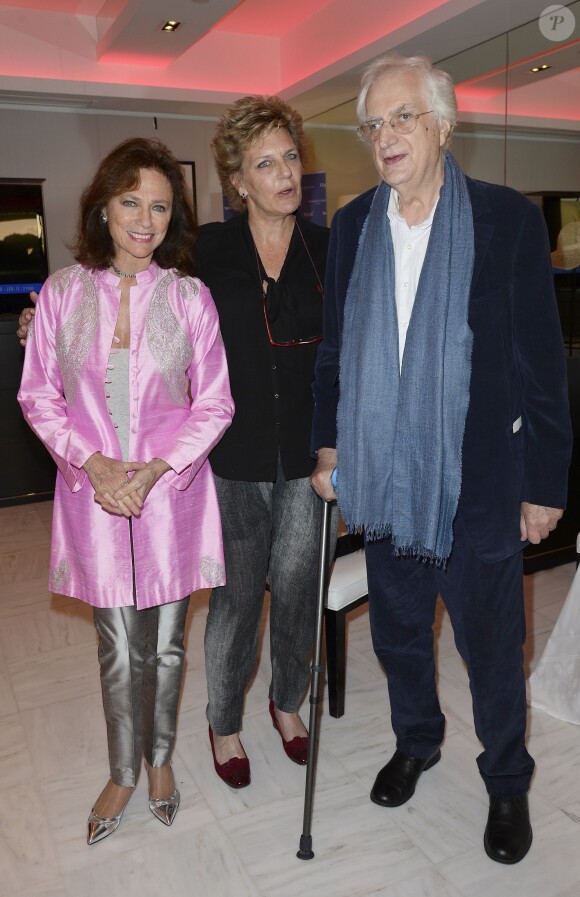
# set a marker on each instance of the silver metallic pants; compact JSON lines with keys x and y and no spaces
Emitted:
{"x":141,"y":659}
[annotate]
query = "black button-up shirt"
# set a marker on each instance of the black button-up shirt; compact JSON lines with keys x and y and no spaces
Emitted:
{"x":271,"y":386}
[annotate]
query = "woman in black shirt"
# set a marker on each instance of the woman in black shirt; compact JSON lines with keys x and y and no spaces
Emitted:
{"x":265,"y":270}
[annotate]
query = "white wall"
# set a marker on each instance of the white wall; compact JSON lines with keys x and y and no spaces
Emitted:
{"x":65,"y":148}
{"x":346,"y":161}
{"x":533,"y":162}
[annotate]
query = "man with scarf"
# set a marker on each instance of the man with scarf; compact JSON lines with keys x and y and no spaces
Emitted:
{"x":441,"y":400}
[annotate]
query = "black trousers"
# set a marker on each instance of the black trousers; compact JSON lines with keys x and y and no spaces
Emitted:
{"x":486,"y":608}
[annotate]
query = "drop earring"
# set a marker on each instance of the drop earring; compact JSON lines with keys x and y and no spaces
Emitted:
{"x":104,"y":217}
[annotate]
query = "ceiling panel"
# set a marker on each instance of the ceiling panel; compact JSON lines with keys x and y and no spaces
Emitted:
{"x":136,"y":35}
{"x":310,"y":51}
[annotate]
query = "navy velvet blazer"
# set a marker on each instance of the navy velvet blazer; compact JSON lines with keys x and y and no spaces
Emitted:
{"x":518,"y":367}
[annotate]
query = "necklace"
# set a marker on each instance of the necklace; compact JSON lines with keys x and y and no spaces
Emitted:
{"x":120,"y":273}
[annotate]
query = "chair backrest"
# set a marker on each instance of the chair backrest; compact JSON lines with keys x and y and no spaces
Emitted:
{"x":348,"y":543}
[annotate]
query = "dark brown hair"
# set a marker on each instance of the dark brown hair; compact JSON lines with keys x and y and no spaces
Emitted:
{"x":247,"y":121}
{"x":119,"y":173}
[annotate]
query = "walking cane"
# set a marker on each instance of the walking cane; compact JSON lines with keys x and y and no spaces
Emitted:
{"x":305,"y":852}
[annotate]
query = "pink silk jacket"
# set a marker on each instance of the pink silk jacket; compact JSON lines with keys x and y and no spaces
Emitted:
{"x":180,"y":405}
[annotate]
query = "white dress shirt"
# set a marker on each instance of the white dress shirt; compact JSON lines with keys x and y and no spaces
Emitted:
{"x":410,"y":246}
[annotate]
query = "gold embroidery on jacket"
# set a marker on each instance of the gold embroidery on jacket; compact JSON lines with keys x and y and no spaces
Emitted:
{"x":189,"y":288}
{"x":59,"y":575}
{"x":213,"y":573}
{"x":76,"y":336}
{"x":170,"y":347}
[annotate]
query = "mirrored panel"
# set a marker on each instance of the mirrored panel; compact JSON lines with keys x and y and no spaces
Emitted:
{"x":519,"y":114}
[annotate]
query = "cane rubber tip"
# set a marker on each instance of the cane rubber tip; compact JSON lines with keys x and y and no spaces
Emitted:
{"x":305,"y":852}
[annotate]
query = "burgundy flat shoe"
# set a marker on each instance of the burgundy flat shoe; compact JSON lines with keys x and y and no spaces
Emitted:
{"x":297,"y":748}
{"x":234,"y":772}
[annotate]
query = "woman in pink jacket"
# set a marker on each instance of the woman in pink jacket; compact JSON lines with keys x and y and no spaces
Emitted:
{"x":125,"y":381}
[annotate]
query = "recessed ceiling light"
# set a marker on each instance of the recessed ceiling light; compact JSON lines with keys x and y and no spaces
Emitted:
{"x":540,"y":68}
{"x":171,"y":25}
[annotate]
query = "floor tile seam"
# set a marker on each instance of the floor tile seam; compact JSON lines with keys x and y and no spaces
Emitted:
{"x":406,"y":824}
{"x":199,"y":775}
{"x":556,"y":810}
{"x":179,"y":754}
{"x":12,"y":609}
{"x":545,"y":794}
{"x":337,"y":758}
{"x":46,"y":658}
{"x":9,"y":548}
{"x":48,"y":832}
{"x":555,"y":727}
{"x":30,"y":708}
{"x":573,"y":816}
{"x":7,"y":613}
{"x":13,"y":696}
{"x":42,"y":655}
{"x":36,"y":582}
{"x":60,"y":883}
{"x":451,"y":889}
{"x":296,"y":796}
{"x":35,"y":543}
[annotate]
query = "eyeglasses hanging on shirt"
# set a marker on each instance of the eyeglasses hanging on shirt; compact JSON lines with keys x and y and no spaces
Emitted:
{"x":281,"y":313}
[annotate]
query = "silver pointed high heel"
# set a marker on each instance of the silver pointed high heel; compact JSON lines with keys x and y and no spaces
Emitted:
{"x":165,"y":808}
{"x":102,"y":826}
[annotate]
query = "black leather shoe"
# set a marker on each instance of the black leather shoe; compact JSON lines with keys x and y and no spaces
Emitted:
{"x":396,"y":781}
{"x":508,"y":833}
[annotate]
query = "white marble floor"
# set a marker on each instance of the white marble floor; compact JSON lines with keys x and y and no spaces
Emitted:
{"x":227,"y":843}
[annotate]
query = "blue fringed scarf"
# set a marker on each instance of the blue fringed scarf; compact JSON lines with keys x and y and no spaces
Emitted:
{"x":400,"y":434}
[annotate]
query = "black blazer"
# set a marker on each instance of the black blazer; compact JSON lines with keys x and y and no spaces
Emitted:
{"x":518,"y":368}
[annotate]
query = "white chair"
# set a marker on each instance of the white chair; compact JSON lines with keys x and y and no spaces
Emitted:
{"x":554,"y":685}
{"x":347,"y":589}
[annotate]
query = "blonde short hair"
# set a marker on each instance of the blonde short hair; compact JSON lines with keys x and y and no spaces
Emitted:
{"x":248,"y":120}
{"x":438,"y":82}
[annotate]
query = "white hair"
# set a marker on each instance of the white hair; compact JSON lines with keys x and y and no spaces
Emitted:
{"x":438,"y":82}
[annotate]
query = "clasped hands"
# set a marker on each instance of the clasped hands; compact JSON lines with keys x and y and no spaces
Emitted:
{"x":114,"y":491}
